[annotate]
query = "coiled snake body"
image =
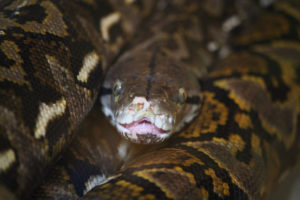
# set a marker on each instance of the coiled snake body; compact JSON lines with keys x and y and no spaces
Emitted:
{"x":52,"y":60}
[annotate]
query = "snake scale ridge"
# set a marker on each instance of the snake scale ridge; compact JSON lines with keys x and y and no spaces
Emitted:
{"x":52,"y":59}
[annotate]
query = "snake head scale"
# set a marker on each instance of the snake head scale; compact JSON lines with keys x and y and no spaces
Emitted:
{"x":151,"y":97}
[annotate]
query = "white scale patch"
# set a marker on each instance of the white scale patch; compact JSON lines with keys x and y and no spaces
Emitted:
{"x":93,"y":181}
{"x":141,"y":108}
{"x":106,"y":107}
{"x":122,"y":150}
{"x":189,"y":116}
{"x":46,"y":114}
{"x":90,"y":61}
{"x":141,"y":100}
{"x":6,"y":159}
{"x":212,"y":46}
{"x":128,"y":115}
{"x":108,"y":22}
{"x":231,"y":23}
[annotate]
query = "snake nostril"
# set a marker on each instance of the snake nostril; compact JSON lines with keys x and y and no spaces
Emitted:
{"x":140,"y":106}
{"x":140,"y":103}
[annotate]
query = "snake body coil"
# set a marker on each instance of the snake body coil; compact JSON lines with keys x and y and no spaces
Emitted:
{"x":245,"y":136}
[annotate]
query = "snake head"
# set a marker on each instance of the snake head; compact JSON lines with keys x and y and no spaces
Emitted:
{"x":144,"y":120}
{"x":147,"y":103}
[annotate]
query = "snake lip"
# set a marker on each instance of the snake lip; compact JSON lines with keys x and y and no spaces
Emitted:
{"x":143,"y":126}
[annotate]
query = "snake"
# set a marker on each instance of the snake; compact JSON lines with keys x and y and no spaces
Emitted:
{"x":245,"y":134}
{"x":146,"y":103}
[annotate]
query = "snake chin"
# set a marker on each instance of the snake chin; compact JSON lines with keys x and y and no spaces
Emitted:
{"x":143,"y":121}
{"x":143,"y":126}
{"x":147,"y":122}
{"x":143,"y":131}
{"x":143,"y":137}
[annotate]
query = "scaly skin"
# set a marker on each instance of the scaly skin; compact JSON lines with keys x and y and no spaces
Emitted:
{"x":181,"y":39}
{"x":248,"y":129}
{"x":51,"y":68}
{"x":53,"y":55}
{"x":52,"y":61}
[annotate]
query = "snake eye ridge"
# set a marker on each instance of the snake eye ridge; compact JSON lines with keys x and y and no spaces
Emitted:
{"x":117,"y":88}
{"x":182,"y":95}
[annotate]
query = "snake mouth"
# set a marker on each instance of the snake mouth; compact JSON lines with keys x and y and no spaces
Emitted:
{"x":144,"y":126}
{"x":145,"y":122}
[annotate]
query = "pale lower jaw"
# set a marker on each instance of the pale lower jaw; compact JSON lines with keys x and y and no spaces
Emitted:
{"x":144,"y":133}
{"x":143,"y":126}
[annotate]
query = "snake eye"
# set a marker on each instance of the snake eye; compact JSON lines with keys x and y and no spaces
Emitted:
{"x":182,"y":95}
{"x":117,"y":88}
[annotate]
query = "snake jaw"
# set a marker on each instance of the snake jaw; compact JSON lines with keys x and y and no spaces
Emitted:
{"x":145,"y":130}
{"x":144,"y":126}
{"x":141,"y":123}
{"x":146,"y":136}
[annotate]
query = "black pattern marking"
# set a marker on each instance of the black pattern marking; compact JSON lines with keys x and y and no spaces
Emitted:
{"x":78,"y":178}
{"x":193,"y":100}
{"x":151,"y":74}
{"x":105,"y":91}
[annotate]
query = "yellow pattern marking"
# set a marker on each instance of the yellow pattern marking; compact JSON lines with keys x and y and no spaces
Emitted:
{"x":15,"y":72}
{"x":203,"y":193}
{"x":108,"y":22}
{"x":147,"y":197}
{"x":90,"y":61}
{"x":236,"y":178}
{"x":169,"y":156}
{"x":134,"y":189}
{"x":286,"y":53}
{"x":237,"y":99}
{"x":46,"y":114}
{"x":216,"y":114}
{"x":243,"y":120}
{"x":234,"y":143}
{"x":220,"y":188}
{"x":268,"y":25}
{"x":124,"y":190}
{"x":255,"y":79}
{"x":242,"y":63}
{"x":283,"y":6}
{"x":6,"y":159}
{"x":53,"y":22}
{"x":128,"y":189}
{"x":239,"y":102}
{"x":129,"y":1}
{"x":166,"y":180}
{"x":255,"y":144}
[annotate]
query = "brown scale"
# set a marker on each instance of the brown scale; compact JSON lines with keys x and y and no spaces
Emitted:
{"x":173,"y":24}
{"x":212,"y":164}
{"x":45,"y":52}
{"x":247,"y":132}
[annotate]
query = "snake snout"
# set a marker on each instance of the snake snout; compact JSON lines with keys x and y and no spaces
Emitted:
{"x":144,"y":118}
